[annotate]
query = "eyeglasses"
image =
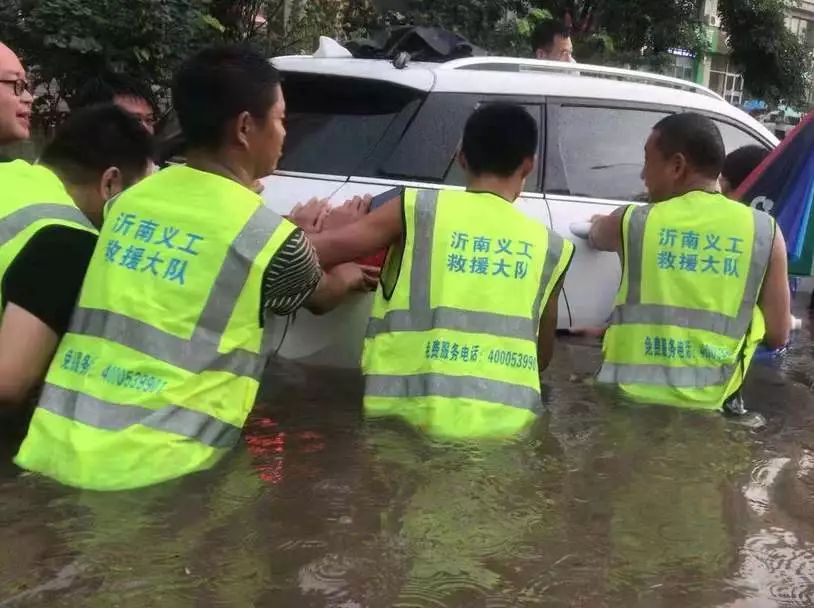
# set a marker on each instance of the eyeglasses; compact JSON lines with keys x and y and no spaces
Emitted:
{"x":19,"y":86}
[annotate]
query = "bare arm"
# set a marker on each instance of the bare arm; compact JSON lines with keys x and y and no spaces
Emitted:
{"x":606,"y":231}
{"x":337,"y":283}
{"x":775,"y":300}
{"x":548,"y":329}
{"x":373,"y":232}
{"x":27,"y":346}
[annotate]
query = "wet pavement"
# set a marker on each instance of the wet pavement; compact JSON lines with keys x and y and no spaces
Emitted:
{"x":603,"y":504}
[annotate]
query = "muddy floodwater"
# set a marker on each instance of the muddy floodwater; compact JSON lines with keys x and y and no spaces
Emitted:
{"x":603,"y":504}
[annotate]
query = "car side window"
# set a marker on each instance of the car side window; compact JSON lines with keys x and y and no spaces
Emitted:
{"x":334,"y":124}
{"x":598,"y":152}
{"x":735,"y":137}
{"x":428,"y":150}
{"x":456,"y":176}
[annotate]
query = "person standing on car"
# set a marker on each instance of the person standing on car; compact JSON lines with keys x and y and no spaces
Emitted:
{"x":165,"y":350}
{"x":703,"y":281}
{"x":551,"y":40}
{"x":465,"y":316}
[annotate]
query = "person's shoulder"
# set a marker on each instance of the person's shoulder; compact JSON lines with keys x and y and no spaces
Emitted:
{"x":58,"y":245}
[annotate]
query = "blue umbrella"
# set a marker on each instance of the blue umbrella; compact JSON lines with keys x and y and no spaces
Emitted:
{"x":783,"y":185}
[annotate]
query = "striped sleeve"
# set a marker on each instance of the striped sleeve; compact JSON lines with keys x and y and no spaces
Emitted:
{"x":291,"y":277}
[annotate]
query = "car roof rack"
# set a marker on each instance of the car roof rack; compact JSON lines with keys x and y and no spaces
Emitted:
{"x":514,"y":64}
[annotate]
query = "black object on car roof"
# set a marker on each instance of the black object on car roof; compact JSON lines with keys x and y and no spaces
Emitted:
{"x":433,"y":44}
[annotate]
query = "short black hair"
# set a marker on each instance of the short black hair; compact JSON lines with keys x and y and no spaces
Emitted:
{"x":696,"y":137}
{"x":108,"y":85}
{"x":497,"y":139}
{"x":216,"y":85}
{"x":740,"y":163}
{"x":545,"y":32}
{"x":96,"y":138}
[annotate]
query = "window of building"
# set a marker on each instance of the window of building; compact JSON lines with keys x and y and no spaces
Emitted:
{"x":798,"y":27}
{"x":682,"y":67}
{"x":725,"y":80}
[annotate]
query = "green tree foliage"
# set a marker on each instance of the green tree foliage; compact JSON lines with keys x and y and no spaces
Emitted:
{"x":633,"y":31}
{"x":774,"y":63}
{"x":284,"y":26}
{"x":606,"y":31}
{"x":66,"y":42}
{"x":502,"y":26}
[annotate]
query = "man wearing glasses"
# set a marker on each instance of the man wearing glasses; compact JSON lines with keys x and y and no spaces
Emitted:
{"x":15,"y":99}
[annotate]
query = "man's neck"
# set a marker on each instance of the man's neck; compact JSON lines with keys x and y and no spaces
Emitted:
{"x":498,"y":186}
{"x":221,"y":165}
{"x":700,"y":184}
{"x":86,"y":200}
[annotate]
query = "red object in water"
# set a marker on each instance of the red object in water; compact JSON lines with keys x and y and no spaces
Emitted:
{"x":377,"y":259}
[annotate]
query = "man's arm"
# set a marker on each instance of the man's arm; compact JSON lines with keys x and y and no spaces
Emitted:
{"x":27,"y":346}
{"x":294,"y":279}
{"x":40,"y":289}
{"x":606,"y":231}
{"x":375,"y":231}
{"x":775,"y":300}
{"x":337,"y":283}
{"x":548,"y":328}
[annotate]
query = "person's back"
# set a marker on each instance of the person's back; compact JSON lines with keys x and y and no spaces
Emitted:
{"x":700,"y":275}
{"x":166,"y":348}
{"x":687,"y":312}
{"x":465,"y":317}
{"x":453,"y":347}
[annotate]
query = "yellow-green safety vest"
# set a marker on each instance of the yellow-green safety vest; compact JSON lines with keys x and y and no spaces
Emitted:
{"x":686,"y":322}
{"x":33,"y":198}
{"x":162,"y":360}
{"x":451,"y":346}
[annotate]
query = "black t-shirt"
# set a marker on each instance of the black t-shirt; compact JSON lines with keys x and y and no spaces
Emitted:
{"x":46,"y":276}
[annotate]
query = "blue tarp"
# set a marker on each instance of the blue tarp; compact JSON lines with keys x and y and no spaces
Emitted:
{"x":783,"y":185}
{"x":755,"y":104}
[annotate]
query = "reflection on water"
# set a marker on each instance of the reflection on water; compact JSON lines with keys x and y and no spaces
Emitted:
{"x":604,"y":504}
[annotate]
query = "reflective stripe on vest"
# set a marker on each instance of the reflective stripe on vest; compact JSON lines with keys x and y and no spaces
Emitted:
{"x":195,"y":354}
{"x":16,"y":222}
{"x":118,"y":417}
{"x":422,"y":317}
{"x":633,"y":312}
{"x":679,"y":377}
{"x":460,"y":387}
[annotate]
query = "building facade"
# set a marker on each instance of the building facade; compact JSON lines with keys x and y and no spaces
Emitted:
{"x":716,"y":70}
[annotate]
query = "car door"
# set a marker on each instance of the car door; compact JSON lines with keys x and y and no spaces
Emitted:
{"x":594,"y":157}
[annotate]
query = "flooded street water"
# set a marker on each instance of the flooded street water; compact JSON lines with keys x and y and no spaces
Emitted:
{"x":603,"y":504}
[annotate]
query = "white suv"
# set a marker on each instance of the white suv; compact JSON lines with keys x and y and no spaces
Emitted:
{"x":364,"y":126}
